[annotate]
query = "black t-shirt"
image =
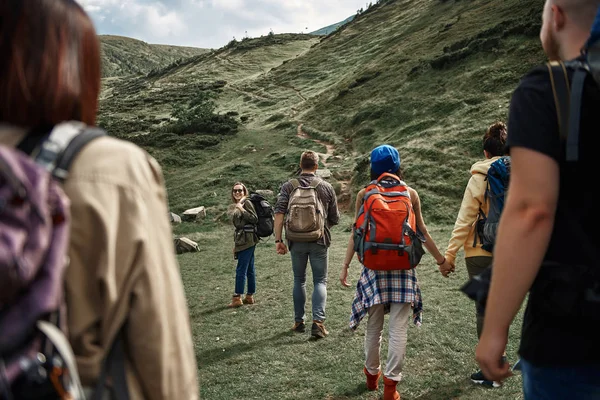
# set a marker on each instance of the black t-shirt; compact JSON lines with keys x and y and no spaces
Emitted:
{"x":554,"y":332}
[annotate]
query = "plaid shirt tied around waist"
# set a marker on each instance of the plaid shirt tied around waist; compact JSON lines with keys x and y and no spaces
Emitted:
{"x":385,"y":287}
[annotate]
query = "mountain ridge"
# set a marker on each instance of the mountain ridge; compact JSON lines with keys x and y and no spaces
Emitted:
{"x":128,"y":56}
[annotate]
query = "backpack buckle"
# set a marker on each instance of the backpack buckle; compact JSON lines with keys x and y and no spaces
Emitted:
{"x":374,"y":248}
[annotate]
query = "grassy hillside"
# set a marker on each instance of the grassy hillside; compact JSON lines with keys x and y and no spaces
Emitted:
{"x":331,"y":28}
{"x":125,"y":56}
{"x":427,"y":76}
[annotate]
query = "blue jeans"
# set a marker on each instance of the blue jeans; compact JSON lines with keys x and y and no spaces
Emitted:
{"x":550,"y":383}
{"x":317,"y":254}
{"x":245,"y":268}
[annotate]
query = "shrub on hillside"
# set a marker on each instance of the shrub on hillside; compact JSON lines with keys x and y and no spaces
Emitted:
{"x":199,"y":117}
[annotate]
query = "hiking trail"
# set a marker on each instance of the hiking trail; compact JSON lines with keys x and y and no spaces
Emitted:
{"x":330,"y":148}
{"x":344,"y":196}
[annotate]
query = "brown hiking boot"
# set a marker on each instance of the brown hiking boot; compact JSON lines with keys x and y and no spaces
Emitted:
{"x":372,"y":380}
{"x":236,"y":301}
{"x":249,"y":299}
{"x":299,"y":327}
{"x":389,"y":389}
{"x":318,"y":330}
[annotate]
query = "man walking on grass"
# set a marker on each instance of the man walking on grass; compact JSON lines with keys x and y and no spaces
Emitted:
{"x":549,"y":231}
{"x":307,"y":207}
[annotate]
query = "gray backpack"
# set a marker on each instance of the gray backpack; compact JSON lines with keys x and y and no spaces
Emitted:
{"x":305,"y":217}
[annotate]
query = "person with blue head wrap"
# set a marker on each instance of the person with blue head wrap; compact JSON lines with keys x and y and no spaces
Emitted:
{"x":393,"y":292}
{"x":385,"y":158}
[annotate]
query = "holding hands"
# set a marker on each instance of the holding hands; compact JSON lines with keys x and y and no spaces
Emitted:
{"x":446,"y":267}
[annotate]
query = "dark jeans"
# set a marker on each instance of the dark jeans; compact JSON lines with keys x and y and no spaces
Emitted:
{"x":559,"y":383}
{"x":475,"y":266}
{"x":245,"y":268}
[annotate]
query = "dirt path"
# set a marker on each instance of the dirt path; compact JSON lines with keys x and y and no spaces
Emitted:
{"x":344,"y":196}
{"x":330,"y":148}
{"x":251,"y":94}
{"x":295,"y":90}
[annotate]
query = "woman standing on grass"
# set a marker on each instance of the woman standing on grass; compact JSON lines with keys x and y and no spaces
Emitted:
{"x":245,"y":239}
{"x":381,"y":292}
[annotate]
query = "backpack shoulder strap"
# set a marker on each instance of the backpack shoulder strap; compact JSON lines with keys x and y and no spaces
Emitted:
{"x":295,"y":184}
{"x":568,"y":101}
{"x":74,"y":147}
{"x":62,"y":345}
{"x":64,"y":143}
{"x":113,"y":367}
{"x":315,"y":182}
{"x":560,"y":89}
{"x":575,"y":114}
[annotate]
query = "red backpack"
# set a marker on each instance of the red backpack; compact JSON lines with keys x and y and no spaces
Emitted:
{"x":385,"y":231}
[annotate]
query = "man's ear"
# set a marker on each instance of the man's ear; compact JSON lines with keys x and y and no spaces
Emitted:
{"x":558,"y":18}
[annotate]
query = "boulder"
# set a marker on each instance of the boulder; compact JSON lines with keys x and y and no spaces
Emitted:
{"x":323,"y":173}
{"x":185,"y":245}
{"x":194,"y":214}
{"x":174,"y":218}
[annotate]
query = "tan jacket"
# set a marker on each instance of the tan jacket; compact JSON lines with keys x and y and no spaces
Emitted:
{"x":463,"y":234}
{"x":123,"y":270}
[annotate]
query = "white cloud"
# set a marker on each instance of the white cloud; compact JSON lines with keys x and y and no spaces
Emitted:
{"x":213,"y":23}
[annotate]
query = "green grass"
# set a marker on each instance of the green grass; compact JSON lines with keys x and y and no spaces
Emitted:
{"x":250,"y":352}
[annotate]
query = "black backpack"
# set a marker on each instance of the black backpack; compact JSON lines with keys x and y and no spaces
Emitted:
{"x":568,"y":95}
{"x":265,"y":213}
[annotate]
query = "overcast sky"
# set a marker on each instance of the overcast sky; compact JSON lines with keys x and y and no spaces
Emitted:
{"x":213,"y":23}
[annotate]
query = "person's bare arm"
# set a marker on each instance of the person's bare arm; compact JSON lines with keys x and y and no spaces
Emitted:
{"x":429,"y":242}
{"x":280,"y":247}
{"x":350,"y":246}
{"x":523,"y":235}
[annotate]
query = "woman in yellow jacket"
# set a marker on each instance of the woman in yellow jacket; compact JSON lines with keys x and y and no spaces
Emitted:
{"x":463,"y":235}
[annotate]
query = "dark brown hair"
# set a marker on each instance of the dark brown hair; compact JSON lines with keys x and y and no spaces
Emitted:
{"x":309,"y":160}
{"x":398,"y":173}
{"x":243,"y":186}
{"x":494,"y":140}
{"x":50,"y":70}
